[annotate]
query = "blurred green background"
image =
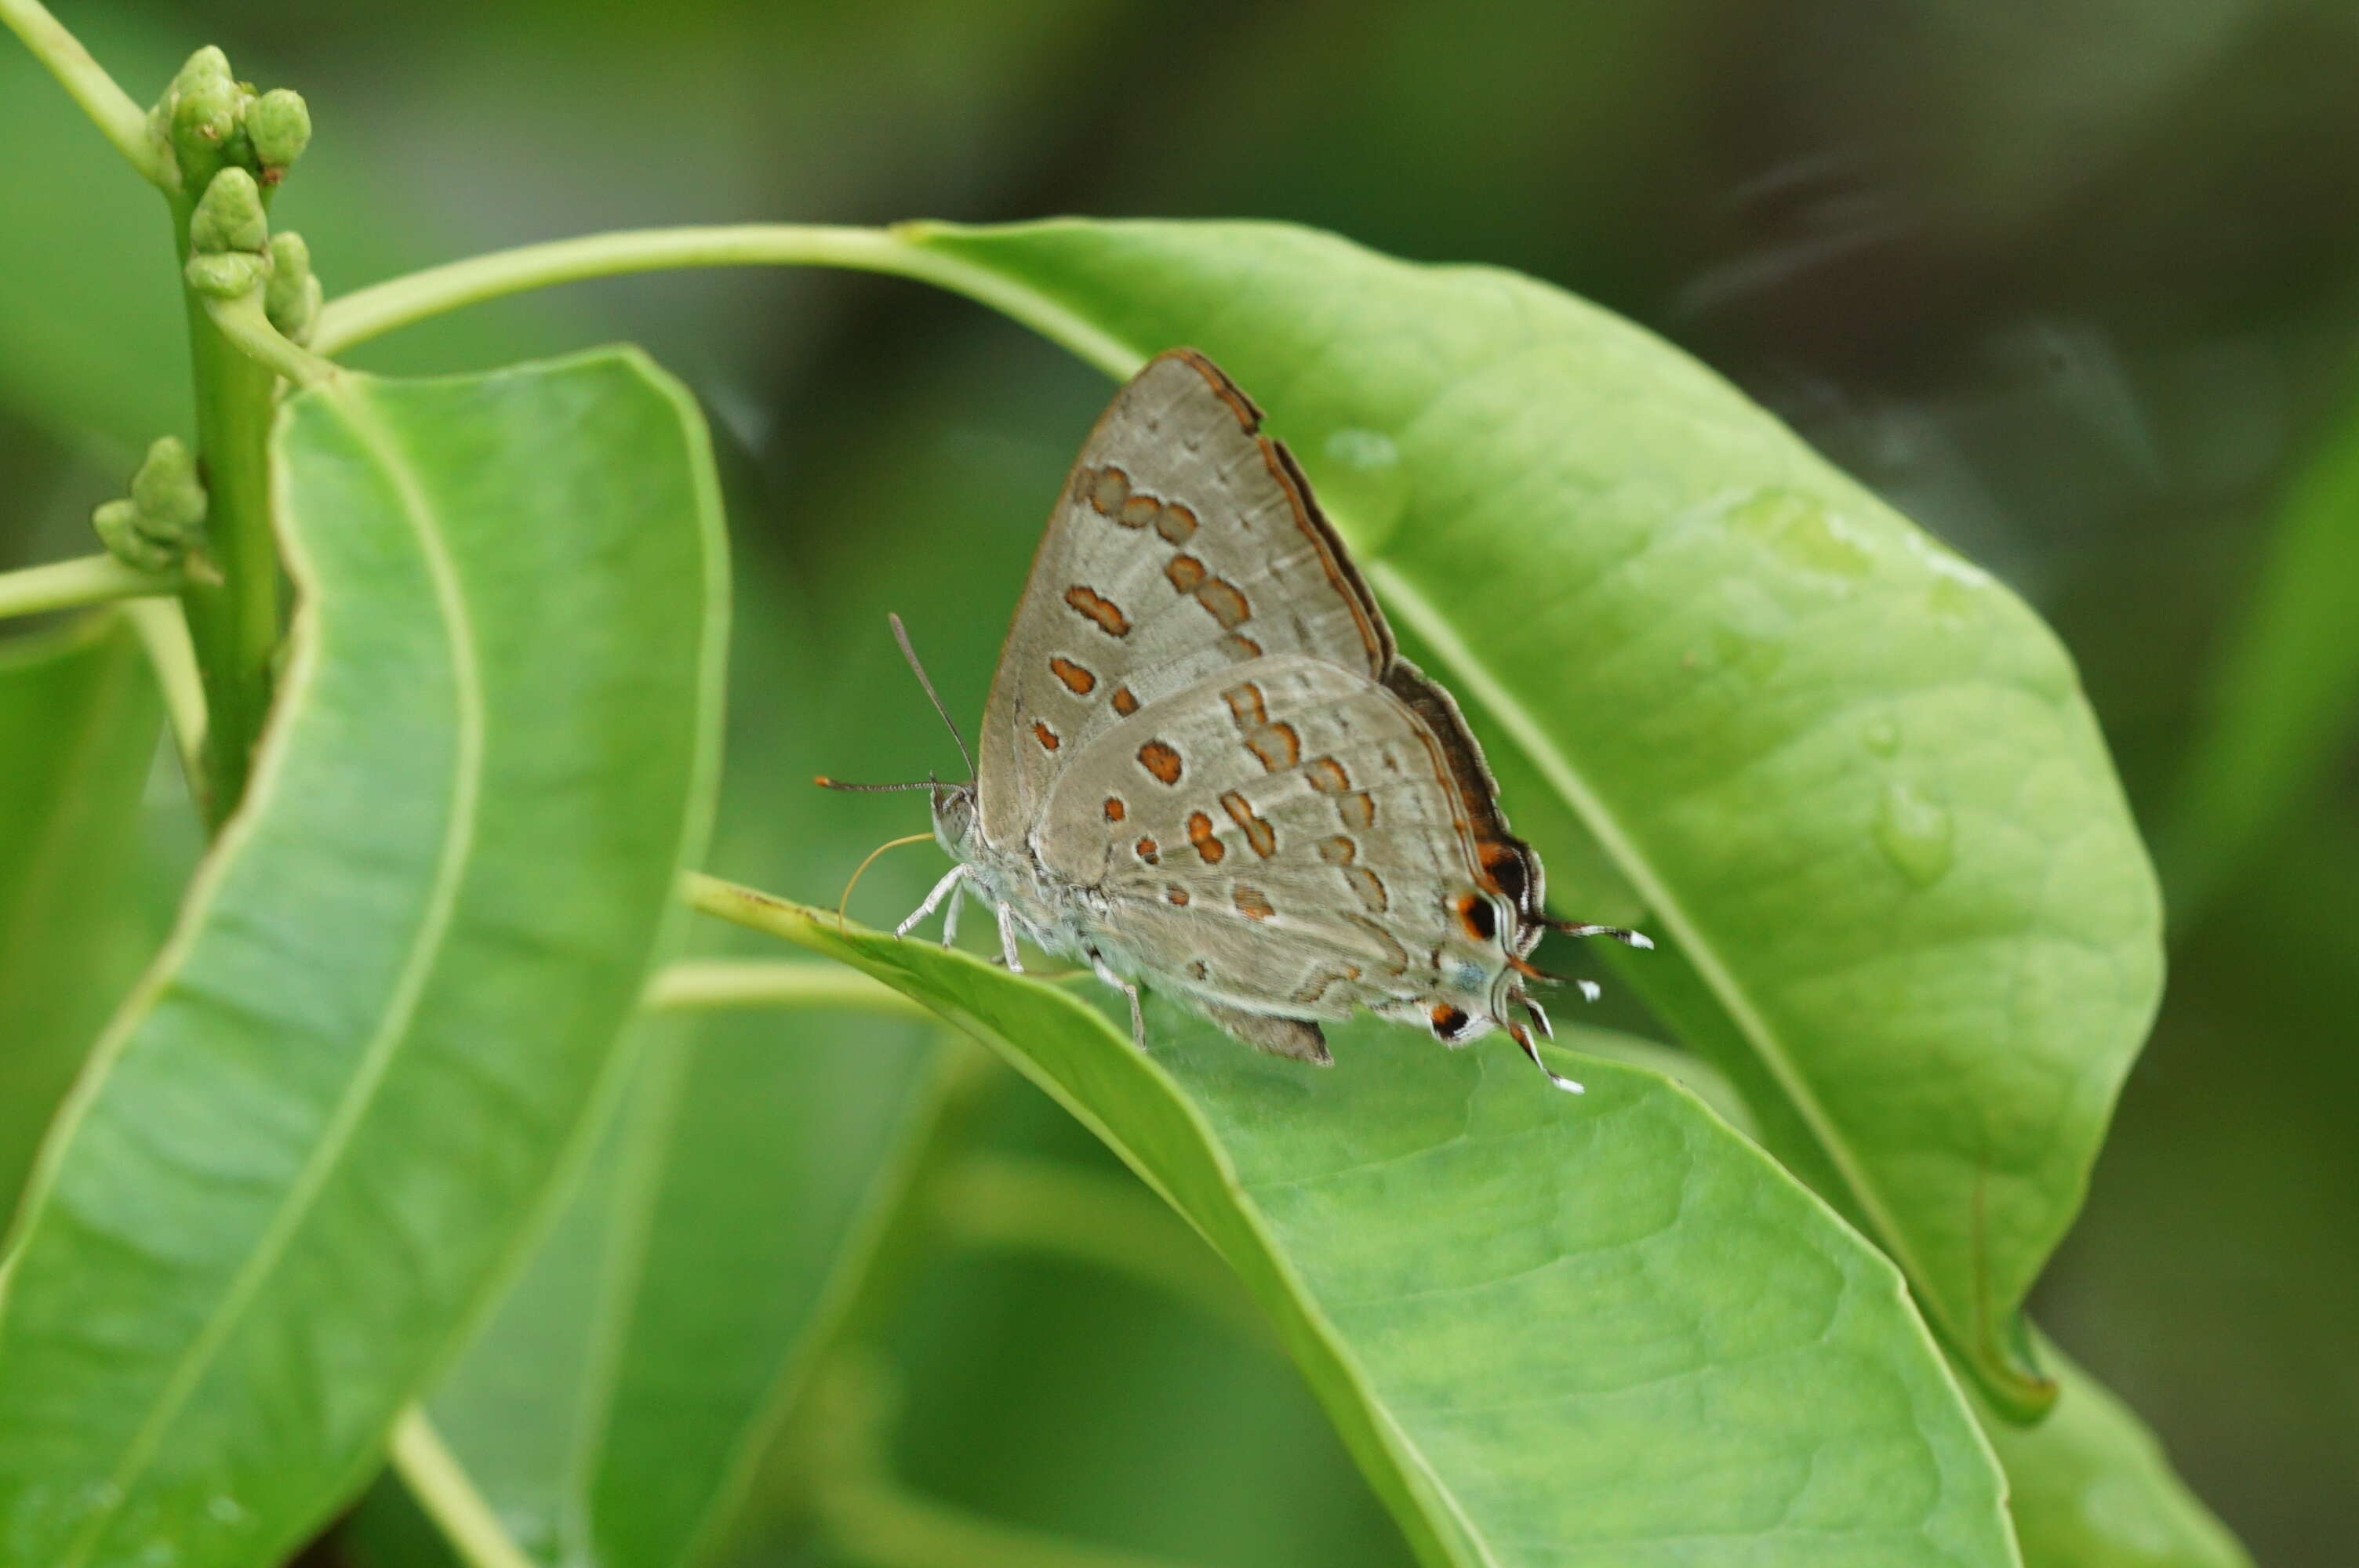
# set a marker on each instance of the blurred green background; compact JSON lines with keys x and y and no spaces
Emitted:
{"x":2073,"y":283}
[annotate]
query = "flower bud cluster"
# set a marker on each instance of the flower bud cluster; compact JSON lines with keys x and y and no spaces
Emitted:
{"x":163,"y":518}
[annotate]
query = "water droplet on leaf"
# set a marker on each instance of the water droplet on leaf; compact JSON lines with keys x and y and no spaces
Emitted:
{"x":1916,"y":834}
{"x":1363,"y":481}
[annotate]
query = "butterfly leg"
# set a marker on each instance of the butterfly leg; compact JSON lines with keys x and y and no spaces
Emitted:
{"x":1620,"y":934}
{"x":1522,"y":1037}
{"x":1137,"y":1015}
{"x":951,"y":913}
{"x":943,"y":890}
{"x":1007,"y":940}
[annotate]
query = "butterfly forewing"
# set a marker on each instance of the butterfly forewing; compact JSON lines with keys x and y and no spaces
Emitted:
{"x":1184,"y":542}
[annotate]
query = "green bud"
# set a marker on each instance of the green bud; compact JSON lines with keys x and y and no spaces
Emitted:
{"x":229,"y":217}
{"x":117,"y":523}
{"x":208,"y":64}
{"x":279,"y":124}
{"x":227,"y":276}
{"x":293,"y":296}
{"x":167,"y":493}
{"x":204,"y":118}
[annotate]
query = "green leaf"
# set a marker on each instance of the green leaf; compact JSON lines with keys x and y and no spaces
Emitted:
{"x":2090,"y":1488}
{"x":78,"y":723}
{"x":2284,"y":697}
{"x":325,"y":1126}
{"x":613,"y":1410}
{"x":1605,"y":1330}
{"x":1852,"y":777}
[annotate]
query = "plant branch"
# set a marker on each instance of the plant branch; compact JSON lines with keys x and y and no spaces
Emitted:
{"x":700,"y":984}
{"x":243,"y":322}
{"x":124,"y":122}
{"x":86,"y":580}
{"x":442,"y":1488}
{"x":163,"y":630}
{"x":234,"y":621}
{"x":372,"y":311}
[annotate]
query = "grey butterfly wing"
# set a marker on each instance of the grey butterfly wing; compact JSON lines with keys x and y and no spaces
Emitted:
{"x":1184,"y":542}
{"x":1286,"y":837}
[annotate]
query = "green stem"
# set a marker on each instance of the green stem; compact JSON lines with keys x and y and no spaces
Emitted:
{"x":441,"y":1488}
{"x":900,"y":251}
{"x":703,"y":984}
{"x":163,"y":629}
{"x":246,"y":326}
{"x":86,"y":580}
{"x":233,"y":621}
{"x":111,"y":108}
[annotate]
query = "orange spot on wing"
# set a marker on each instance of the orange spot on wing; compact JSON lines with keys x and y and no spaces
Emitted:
{"x":1253,"y":904}
{"x":1185,"y":572}
{"x":1078,"y":680}
{"x":1177,"y":525}
{"x":1160,"y":761}
{"x":1277,"y":745}
{"x":1199,"y":834}
{"x":1115,"y":809}
{"x":1123,"y":703}
{"x":1108,"y":489}
{"x":1138,"y":510}
{"x":1047,"y":737}
{"x":1176,"y":894}
{"x":1226,"y":604}
{"x":1259,"y":832}
{"x":1246,"y":706}
{"x":1100,"y":609}
{"x":1369,"y":888}
{"x":1476,"y":917}
{"x":1148,"y":850}
{"x":1326,"y":775}
{"x":1357,"y":810}
{"x":1338,"y":850}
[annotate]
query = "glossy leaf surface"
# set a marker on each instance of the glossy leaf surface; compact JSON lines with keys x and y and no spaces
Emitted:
{"x":1552,"y":1330}
{"x":329,"y":1119}
{"x":1852,"y":777}
{"x":78,"y":722}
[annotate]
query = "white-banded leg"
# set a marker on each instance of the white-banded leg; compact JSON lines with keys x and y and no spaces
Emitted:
{"x":1007,"y":940}
{"x":951,"y":913}
{"x":943,"y":890}
{"x":1522,"y":1037}
{"x":1137,"y":1015}
{"x":1620,"y":934}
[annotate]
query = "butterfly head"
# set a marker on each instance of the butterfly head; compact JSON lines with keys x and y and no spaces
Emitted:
{"x":954,"y":818}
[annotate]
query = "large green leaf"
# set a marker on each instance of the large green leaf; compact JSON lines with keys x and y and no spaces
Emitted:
{"x":616,"y":1407}
{"x":1605,"y":1330}
{"x":78,"y":722}
{"x":325,"y":1124}
{"x":1851,"y":776}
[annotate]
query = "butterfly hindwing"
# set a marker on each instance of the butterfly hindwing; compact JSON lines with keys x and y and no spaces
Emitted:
{"x":1282,"y":835}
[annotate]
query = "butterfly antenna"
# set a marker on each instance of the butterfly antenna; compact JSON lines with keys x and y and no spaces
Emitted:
{"x":902,"y":635}
{"x":826,"y":782}
{"x":862,"y":866}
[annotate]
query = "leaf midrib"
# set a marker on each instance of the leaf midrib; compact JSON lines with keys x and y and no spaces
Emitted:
{"x":442,"y":902}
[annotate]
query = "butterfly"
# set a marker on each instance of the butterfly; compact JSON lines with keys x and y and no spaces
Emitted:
{"x":1206,"y":769}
